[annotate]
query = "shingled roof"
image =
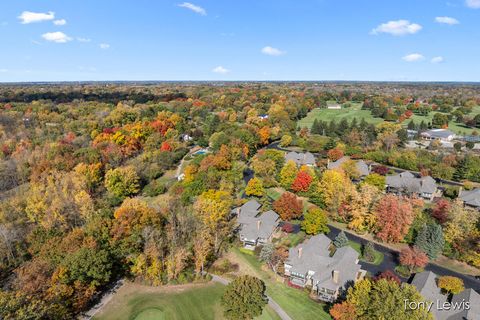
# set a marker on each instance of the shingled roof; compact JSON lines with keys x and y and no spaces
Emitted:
{"x":300,"y":159}
{"x":408,"y":182}
{"x":361,"y":166}
{"x":471,"y":198}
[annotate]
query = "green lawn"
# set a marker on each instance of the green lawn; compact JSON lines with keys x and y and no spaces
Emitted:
{"x":200,"y":303}
{"x":358,"y":247}
{"x":295,"y":302}
{"x":346,"y":113}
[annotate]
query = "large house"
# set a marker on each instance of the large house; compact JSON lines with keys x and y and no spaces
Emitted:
{"x":300,"y":159}
{"x":470,"y":198}
{"x":255,"y":228}
{"x":438,"y":134}
{"x":463,"y":306}
{"x":362,"y":167}
{"x":406,"y":183}
{"x":311,"y":264}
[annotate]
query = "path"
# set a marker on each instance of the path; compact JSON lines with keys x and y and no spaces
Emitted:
{"x":391,"y":257}
{"x":275,"y":306}
{"x":106,"y":297}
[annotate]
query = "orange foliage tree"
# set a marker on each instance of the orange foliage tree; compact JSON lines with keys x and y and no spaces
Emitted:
{"x":288,"y":206}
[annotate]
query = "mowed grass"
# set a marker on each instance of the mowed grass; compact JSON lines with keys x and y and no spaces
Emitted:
{"x":358,"y":247}
{"x":355,"y":111}
{"x":456,"y":127}
{"x":201,"y":302}
{"x":295,"y":302}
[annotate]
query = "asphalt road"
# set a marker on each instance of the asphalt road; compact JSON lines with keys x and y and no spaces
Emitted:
{"x":390,"y":261}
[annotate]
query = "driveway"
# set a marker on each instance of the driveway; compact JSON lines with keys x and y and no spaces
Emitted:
{"x":390,"y":261}
{"x":275,"y":306}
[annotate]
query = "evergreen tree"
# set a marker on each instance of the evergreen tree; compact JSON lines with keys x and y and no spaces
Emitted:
{"x":331,"y":144}
{"x":332,"y":129}
{"x":411,"y":125}
{"x":354,"y":124}
{"x":342,"y":127}
{"x":430,"y":240}
{"x":315,"y":127}
{"x":460,"y":170}
{"x":363,"y":124}
{"x":423,"y":126}
{"x":340,"y":240}
{"x":369,"y":252}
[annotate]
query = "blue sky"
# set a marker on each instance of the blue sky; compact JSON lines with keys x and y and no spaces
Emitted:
{"x":391,"y":40}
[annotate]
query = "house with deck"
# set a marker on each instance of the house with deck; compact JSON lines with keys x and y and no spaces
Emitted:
{"x":300,"y":158}
{"x":406,"y":183}
{"x":255,"y":228}
{"x":463,"y":306}
{"x":470,"y":198}
{"x":311,"y":264}
{"x":438,"y":134}
{"x":362,"y":167}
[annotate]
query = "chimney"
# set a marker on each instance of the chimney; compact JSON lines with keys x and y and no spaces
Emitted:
{"x":336,"y":276}
{"x":238,"y":211}
{"x":300,"y":252}
{"x":259,"y":222}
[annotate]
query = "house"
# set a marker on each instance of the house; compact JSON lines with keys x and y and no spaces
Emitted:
{"x":310,"y":264}
{"x":465,"y":305}
{"x":255,"y":228}
{"x":438,"y":134}
{"x":263,"y":117}
{"x":333,"y":106}
{"x":470,"y":198}
{"x":406,"y":183}
{"x":362,"y":167}
{"x":300,"y":158}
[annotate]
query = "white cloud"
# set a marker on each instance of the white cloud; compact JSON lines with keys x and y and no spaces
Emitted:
{"x":220,"y":70}
{"x":83,"y":39}
{"x":194,"y":8}
{"x":397,"y":28}
{"x":104,"y":46}
{"x":474,"y":4}
{"x":413,"y":57}
{"x":30,"y":17}
{"x":447,"y":20}
{"x":60,"y":22}
{"x":270,"y":51}
{"x":438,"y":59}
{"x":58,"y":37}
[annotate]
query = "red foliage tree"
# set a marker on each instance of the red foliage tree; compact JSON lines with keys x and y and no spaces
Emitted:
{"x":335,"y":154}
{"x":408,"y":113}
{"x":382,"y":170}
{"x":394,"y":217}
{"x":343,"y":311}
{"x":287,"y":227}
{"x":440,"y":211}
{"x":413,"y":258}
{"x":302,"y":182}
{"x":288,"y":206}
{"x":388,"y":275}
{"x":165,"y":146}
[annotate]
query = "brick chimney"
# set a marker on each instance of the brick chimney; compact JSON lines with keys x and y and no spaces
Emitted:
{"x":300,"y":252}
{"x":259,"y":222}
{"x":336,"y":276}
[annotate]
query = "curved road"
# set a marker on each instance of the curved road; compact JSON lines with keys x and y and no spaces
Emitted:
{"x":275,"y":306}
{"x":390,"y":261}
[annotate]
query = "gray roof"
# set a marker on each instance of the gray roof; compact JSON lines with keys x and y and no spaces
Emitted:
{"x":362,"y":167}
{"x":471,"y":198}
{"x":438,"y":133}
{"x":408,"y":182}
{"x":261,"y":226}
{"x":306,"y":158}
{"x":315,"y":257}
{"x":426,"y":284}
{"x":247,"y":211}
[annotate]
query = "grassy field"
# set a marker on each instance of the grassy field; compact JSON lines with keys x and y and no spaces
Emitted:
{"x":346,"y":113}
{"x":358,"y":247}
{"x":458,"y":128}
{"x":295,"y":302}
{"x":200,"y":302}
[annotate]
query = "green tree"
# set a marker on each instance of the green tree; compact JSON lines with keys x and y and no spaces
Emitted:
{"x":315,"y":221}
{"x":122,"y":182}
{"x":376,"y":180}
{"x":244,"y":298}
{"x":89,"y":266}
{"x":286,"y":140}
{"x":340,"y":240}
{"x":430,"y":240}
{"x":369,"y":252}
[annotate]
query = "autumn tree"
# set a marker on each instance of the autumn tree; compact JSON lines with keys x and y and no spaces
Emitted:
{"x":360,"y":208}
{"x":343,"y":311}
{"x":122,"y":182}
{"x":274,"y":257}
{"x":440,"y":210}
{"x":388,"y":275}
{"x":286,"y":140}
{"x":334,"y":154}
{"x":461,"y":223}
{"x":430,"y":240}
{"x":450,"y":284}
{"x":413,"y":258}
{"x":288,"y":206}
{"x":315,"y":221}
{"x":376,"y":180}
{"x":255,"y":187}
{"x":335,"y":188}
{"x":302,"y":182}
{"x":394,"y":216}
{"x":244,"y":298}
{"x":288,"y":174}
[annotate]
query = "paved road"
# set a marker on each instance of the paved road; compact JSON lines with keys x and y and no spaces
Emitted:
{"x":275,"y":306}
{"x":106,"y":297}
{"x":390,"y":261}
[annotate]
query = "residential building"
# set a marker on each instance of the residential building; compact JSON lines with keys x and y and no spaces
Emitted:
{"x":311,"y":264}
{"x":362,"y":167}
{"x":300,"y":158}
{"x":407,"y":184}
{"x":438,"y":134}
{"x":334,"y":106}
{"x":464,"y":306}
{"x":255,"y":228}
{"x":470,"y":198}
